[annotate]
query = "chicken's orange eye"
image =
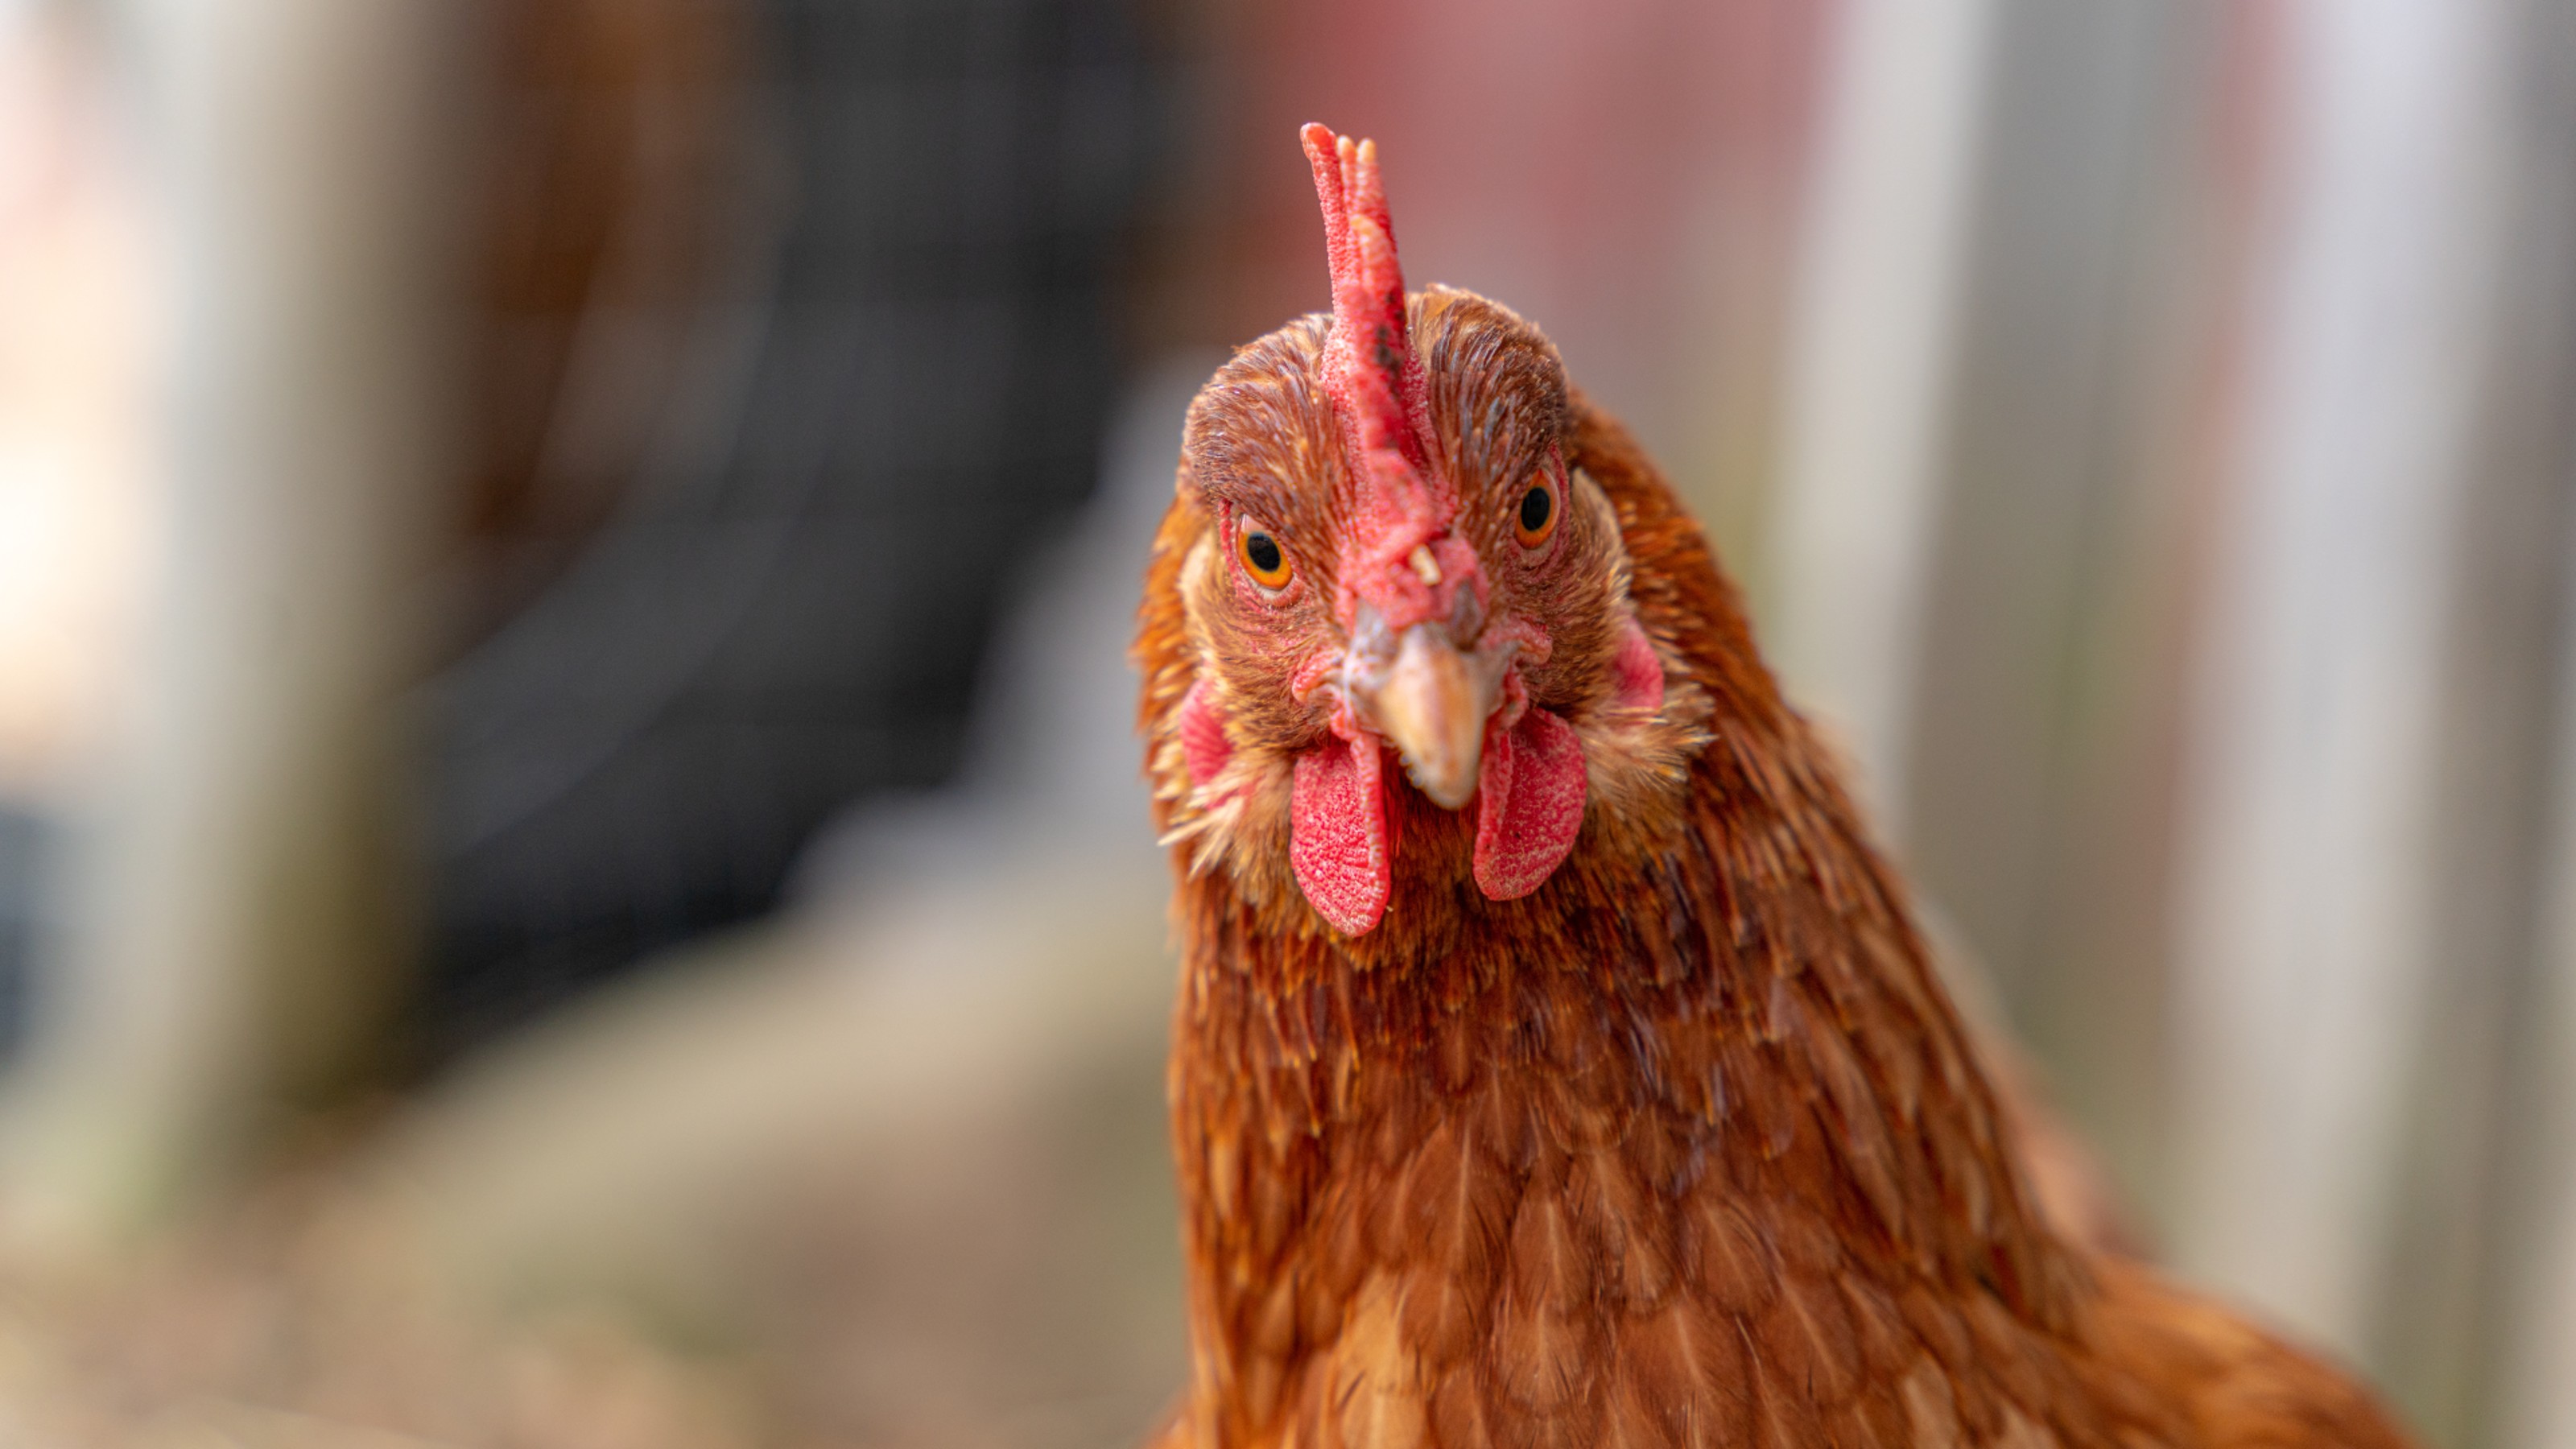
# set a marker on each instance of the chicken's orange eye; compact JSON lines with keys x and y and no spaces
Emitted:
{"x":1536,"y":520}
{"x":1263,"y":558}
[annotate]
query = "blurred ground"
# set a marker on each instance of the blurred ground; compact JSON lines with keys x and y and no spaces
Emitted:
{"x":611,"y":1242}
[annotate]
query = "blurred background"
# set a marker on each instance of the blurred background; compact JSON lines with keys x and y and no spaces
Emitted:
{"x":571,"y":865}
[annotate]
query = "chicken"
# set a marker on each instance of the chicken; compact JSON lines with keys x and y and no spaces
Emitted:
{"x":1584,"y":1082}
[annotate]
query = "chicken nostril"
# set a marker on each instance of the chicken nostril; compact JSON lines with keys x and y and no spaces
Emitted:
{"x":1466,"y":617}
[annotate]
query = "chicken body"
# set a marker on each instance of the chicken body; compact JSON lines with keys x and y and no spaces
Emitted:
{"x":1661,"y":1131}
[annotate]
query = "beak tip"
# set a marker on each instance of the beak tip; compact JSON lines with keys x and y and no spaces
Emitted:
{"x":1445,"y":793}
{"x":1432,"y":706}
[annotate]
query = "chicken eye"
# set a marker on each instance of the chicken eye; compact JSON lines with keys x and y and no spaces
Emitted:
{"x":1263,"y":558}
{"x":1536,"y":520}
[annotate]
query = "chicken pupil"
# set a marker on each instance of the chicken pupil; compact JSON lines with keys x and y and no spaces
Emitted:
{"x":1534,"y":508}
{"x":1263,"y":551}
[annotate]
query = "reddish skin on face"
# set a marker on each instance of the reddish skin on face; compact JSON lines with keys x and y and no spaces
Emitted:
{"x":1204,"y":746}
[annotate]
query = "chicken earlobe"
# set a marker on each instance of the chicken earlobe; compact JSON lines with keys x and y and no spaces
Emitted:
{"x":1204,"y":747}
{"x":1636,"y":675}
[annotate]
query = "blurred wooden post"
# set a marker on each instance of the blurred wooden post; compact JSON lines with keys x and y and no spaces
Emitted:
{"x":2306,"y":933}
{"x":2531,"y":1267}
{"x":2479,"y":1251}
{"x":237,"y":915}
{"x":1870,"y":359}
{"x":2054,"y":608}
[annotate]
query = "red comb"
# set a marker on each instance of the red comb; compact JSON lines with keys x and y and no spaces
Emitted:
{"x":1369,"y":367}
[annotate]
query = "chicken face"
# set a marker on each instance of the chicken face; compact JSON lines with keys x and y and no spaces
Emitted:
{"x":1394,"y":562}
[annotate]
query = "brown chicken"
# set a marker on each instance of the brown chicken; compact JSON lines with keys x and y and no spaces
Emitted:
{"x":1584,"y":1083}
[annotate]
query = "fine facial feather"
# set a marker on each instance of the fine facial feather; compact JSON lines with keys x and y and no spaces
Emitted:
{"x":1685,"y":1146}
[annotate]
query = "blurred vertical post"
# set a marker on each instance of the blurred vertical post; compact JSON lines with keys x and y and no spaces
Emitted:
{"x":2052,"y":619}
{"x":2477,"y":1258}
{"x":2307,"y":912}
{"x":1870,"y":361}
{"x":235,"y":917}
{"x":2533,"y":1332}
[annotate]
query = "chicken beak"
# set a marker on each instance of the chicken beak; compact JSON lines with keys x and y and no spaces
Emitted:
{"x":1431,"y":702}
